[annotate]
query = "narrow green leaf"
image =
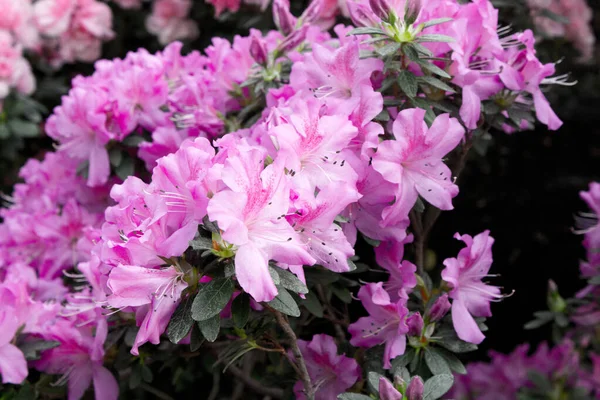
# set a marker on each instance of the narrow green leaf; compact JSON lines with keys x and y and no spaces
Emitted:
{"x":408,"y":83}
{"x":181,"y":322}
{"x":240,"y":310}
{"x":212,"y":298}
{"x":133,"y":140}
{"x":435,"y":21}
{"x":210,"y":328}
{"x":434,"y":37}
{"x":366,"y":31}
{"x":388,"y":49}
{"x":201,"y":243}
{"x":115,"y":156}
{"x":434,"y":69}
{"x":342,"y":293}
{"x":457,"y":345}
{"x":430,"y":80}
{"x":436,"y":386}
{"x":285,"y":303}
{"x":453,"y":362}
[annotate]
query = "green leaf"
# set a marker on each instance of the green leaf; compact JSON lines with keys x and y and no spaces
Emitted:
{"x":23,"y":128}
{"x":196,"y":338}
{"x":210,"y":328}
{"x":435,"y":21}
{"x":457,"y":345}
{"x":453,"y":362}
{"x":181,"y":321}
{"x":291,"y":281}
{"x":540,"y":381}
{"x":126,"y":168}
{"x":403,"y":360}
{"x":212,"y":299}
{"x":133,"y":140}
{"x":434,"y":69}
{"x":353,"y":396}
{"x":437,"y":386}
{"x":430,"y":80}
{"x":373,"y":381}
{"x":434,"y":37}
{"x":366,"y":31}
{"x":285,"y":303}
{"x":408,"y":83}
{"x":4,"y":131}
{"x":536,"y":323}
{"x":312,"y":304}
{"x":115,"y":156}
{"x":435,"y":362}
{"x":201,"y":243}
{"x":388,"y":49}
{"x":240,"y":310}
{"x":342,"y":293}
{"x":147,"y":374}
{"x":32,"y":349}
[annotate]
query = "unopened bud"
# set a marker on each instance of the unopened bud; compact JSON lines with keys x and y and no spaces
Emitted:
{"x":381,"y":8}
{"x":361,"y":15}
{"x":292,"y":41}
{"x":439,"y":309}
{"x":411,"y":11}
{"x":555,"y":301}
{"x":258,"y":51}
{"x":415,"y":324}
{"x":284,"y":20}
{"x":312,"y":12}
{"x":415,"y":389}
{"x":387,"y":391}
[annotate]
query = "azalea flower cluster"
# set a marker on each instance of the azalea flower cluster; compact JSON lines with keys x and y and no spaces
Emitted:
{"x":577,"y":28}
{"x":274,"y":154}
{"x":556,"y":370}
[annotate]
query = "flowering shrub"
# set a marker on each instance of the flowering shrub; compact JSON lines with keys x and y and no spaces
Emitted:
{"x":209,"y":212}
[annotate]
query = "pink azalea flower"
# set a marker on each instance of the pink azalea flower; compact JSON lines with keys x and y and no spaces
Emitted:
{"x":521,"y":71}
{"x":313,"y":144}
{"x":413,"y":162}
{"x":389,"y":254}
{"x":251,"y":214}
{"x":330,"y":373}
{"x":79,"y":358}
{"x":313,"y":220}
{"x":471,"y":297}
{"x":79,"y":125}
{"x":169,"y":21}
{"x":15,"y":71}
{"x":13,"y":366}
{"x":157,"y":289}
{"x":386,"y":323}
{"x":336,"y":76}
{"x":222,"y":5}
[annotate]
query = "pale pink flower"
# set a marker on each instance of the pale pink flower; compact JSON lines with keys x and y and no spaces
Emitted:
{"x":13,"y":366}
{"x":471,"y":297}
{"x":330,"y":373}
{"x":413,"y":162}
{"x":386,"y":323}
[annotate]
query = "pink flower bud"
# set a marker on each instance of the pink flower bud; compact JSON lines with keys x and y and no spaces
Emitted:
{"x":381,"y":8}
{"x":361,"y":15}
{"x":415,"y":324}
{"x":412,"y":11}
{"x":439,"y":308}
{"x":312,"y":12}
{"x":294,"y":40}
{"x":415,"y":389}
{"x":258,"y":51}
{"x":284,"y":20}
